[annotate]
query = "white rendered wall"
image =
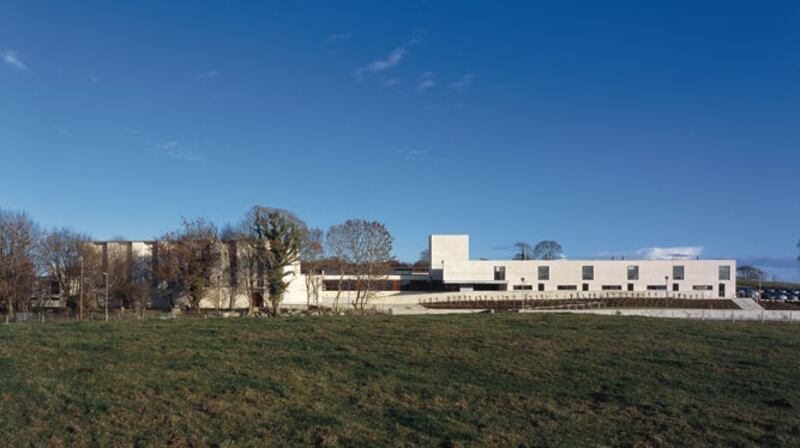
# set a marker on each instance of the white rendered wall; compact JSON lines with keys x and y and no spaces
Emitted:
{"x":461,"y":270}
{"x":446,"y":248}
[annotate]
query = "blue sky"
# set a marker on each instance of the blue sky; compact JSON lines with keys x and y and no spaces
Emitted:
{"x":611,"y":127}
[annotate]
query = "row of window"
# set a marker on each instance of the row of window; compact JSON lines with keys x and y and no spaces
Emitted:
{"x":585,"y":287}
{"x":587,"y":272}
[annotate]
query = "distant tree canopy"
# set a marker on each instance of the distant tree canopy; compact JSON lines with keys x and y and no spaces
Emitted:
{"x":184,"y":260}
{"x":524,"y":251}
{"x":424,"y":259}
{"x":19,"y":246}
{"x":747,"y":272}
{"x":547,"y":250}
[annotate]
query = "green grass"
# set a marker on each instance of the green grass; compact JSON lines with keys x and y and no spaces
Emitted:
{"x":503,"y":380}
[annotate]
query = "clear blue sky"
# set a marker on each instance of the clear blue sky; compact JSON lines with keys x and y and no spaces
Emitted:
{"x":607,"y":126}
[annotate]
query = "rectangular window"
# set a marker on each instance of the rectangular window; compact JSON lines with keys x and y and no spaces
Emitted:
{"x":656,"y":287}
{"x":703,"y":288}
{"x":544,"y":272}
{"x":612,"y":287}
{"x":499,"y":272}
{"x":633,"y":272}
{"x":588,"y":272}
{"x":567,"y":288}
{"x":676,"y":287}
{"x":585,"y":286}
{"x":523,"y":287}
{"x":724,"y":272}
{"x":677,"y":273}
{"x":541,"y":286}
{"x":630,"y":286}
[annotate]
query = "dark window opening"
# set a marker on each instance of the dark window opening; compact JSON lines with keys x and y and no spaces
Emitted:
{"x":488,"y":287}
{"x":499,"y":272}
{"x":544,"y":272}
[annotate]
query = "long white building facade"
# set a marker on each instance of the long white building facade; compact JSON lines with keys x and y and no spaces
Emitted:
{"x":452,"y":269}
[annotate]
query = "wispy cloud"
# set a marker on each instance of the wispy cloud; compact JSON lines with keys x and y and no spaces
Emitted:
{"x":177,"y":151}
{"x":670,"y":253}
{"x":426,"y":81}
{"x":412,"y":154}
{"x":392,"y":82}
{"x":464,"y":83}
{"x":11,"y":59}
{"x":339,"y":37}
{"x":210,"y":74}
{"x":391,"y":60}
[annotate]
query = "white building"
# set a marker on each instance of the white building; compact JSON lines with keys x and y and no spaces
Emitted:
{"x":452,"y":269}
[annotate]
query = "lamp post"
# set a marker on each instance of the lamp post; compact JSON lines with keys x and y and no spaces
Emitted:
{"x":106,"y":275}
{"x":666,"y":286}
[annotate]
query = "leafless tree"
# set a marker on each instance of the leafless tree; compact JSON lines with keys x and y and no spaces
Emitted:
{"x":547,"y":250}
{"x":524,"y":251}
{"x":336,"y":242}
{"x":281,"y":232}
{"x":747,"y":272}
{"x":424,"y":261}
{"x":185,"y":259}
{"x":129,"y":277}
{"x":61,"y":252}
{"x":364,"y":250}
{"x":19,"y":238}
{"x":312,"y":255}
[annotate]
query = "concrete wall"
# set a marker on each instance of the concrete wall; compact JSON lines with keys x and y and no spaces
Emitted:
{"x":446,"y":247}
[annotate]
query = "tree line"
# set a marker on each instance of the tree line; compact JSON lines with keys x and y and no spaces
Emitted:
{"x":262,"y":249}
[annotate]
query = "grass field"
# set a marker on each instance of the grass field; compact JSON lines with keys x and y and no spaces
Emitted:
{"x":503,"y":380}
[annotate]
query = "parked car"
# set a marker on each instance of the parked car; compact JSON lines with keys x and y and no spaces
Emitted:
{"x":783,"y":297}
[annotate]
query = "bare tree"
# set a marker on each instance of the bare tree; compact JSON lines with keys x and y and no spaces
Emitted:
{"x":129,"y":277}
{"x":747,"y":272}
{"x":336,"y":243}
{"x":185,"y":259}
{"x":19,"y":238}
{"x":312,"y":255}
{"x":424,"y":261}
{"x":281,"y":232}
{"x":524,"y":251}
{"x":364,"y":251}
{"x":62,"y":251}
{"x":547,"y":250}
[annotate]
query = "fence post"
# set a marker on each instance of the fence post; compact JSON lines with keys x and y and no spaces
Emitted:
{"x":733,"y":320}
